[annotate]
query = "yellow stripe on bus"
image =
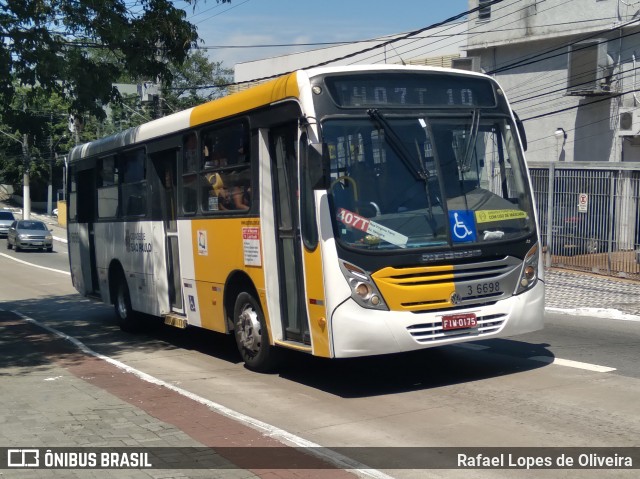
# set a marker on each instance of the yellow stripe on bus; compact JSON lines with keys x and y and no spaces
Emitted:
{"x":261,"y":95}
{"x":416,"y":289}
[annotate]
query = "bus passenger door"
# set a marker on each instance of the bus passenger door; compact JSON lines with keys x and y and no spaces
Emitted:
{"x":165,"y":207}
{"x":283,"y":143}
{"x":86,"y":185}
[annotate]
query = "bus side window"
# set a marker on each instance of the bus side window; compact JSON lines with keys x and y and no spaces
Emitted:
{"x":189,"y":176}
{"x":225,"y":178}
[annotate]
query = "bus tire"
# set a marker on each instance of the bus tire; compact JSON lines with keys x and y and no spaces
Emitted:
{"x":127,"y":318}
{"x":252,"y":337}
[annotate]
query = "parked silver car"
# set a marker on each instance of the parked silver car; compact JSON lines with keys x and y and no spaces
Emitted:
{"x":29,"y":234}
{"x":6,"y":218}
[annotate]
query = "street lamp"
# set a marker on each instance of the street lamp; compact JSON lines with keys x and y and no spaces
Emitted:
{"x":560,"y":134}
{"x":51,"y":158}
{"x":26,"y":193}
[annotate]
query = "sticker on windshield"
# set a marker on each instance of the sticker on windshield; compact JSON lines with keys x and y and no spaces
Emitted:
{"x":463,"y":227}
{"x":349,"y":218}
{"x":488,"y":216}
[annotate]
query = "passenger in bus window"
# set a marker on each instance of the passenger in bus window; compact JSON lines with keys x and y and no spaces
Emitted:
{"x":238,"y":198}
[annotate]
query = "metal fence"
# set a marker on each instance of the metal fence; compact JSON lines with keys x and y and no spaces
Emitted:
{"x":594,"y":210}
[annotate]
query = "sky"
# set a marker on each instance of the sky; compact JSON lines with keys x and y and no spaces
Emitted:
{"x":271,"y":22}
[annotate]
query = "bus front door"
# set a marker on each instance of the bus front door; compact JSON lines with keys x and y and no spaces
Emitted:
{"x":282,"y":146}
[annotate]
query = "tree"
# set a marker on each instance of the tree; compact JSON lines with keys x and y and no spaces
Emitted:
{"x":48,"y":131}
{"x":72,"y":51}
{"x":47,"y":45}
{"x":196,"y":70}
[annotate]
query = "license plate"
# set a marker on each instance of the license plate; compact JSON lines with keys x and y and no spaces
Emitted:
{"x":37,"y":243}
{"x":481,"y":288}
{"x":459,"y":321}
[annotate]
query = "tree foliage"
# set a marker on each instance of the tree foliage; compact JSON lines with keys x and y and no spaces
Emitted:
{"x":196,"y":70}
{"x":61,"y":57}
{"x":48,"y":43}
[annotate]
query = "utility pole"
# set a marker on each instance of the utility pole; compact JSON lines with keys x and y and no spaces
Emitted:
{"x":26,"y":161}
{"x":26,"y":192}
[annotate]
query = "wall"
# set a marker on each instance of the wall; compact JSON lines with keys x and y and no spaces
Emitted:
{"x":537,"y":87}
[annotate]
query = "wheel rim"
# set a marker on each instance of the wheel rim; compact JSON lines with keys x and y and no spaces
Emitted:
{"x":249,"y":330}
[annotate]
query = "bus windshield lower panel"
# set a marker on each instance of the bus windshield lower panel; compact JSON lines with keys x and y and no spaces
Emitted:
{"x":418,"y":182}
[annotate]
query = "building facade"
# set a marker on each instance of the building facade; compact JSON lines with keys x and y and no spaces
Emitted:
{"x":569,"y":69}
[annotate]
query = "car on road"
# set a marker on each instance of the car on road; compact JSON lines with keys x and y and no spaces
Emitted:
{"x":6,"y":218}
{"x":29,"y":234}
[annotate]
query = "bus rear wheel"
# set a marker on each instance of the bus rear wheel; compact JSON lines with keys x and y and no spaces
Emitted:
{"x":127,"y":318}
{"x":252,"y":337}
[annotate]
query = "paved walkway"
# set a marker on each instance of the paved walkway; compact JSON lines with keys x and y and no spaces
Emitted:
{"x":592,"y":294}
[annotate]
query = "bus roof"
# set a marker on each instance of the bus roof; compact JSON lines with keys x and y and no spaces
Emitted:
{"x":286,"y":86}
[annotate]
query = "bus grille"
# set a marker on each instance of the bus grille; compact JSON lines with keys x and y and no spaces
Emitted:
{"x":430,"y":288}
{"x":428,"y":332}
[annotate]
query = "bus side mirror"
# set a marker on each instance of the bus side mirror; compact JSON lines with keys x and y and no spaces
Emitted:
{"x":521,"y":132}
{"x":317,"y":166}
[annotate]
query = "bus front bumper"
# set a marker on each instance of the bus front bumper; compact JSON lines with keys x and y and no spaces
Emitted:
{"x":364,"y":332}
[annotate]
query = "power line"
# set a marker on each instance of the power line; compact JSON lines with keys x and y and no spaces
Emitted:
{"x":353,"y":54}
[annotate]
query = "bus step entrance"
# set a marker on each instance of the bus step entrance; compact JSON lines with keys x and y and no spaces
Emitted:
{"x":175,"y":320}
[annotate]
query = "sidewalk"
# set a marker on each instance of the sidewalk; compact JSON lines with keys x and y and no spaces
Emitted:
{"x":567,"y":291}
{"x":57,"y":395}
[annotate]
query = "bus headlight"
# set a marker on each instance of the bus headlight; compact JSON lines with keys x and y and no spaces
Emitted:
{"x":363,"y":289}
{"x":529,"y":273}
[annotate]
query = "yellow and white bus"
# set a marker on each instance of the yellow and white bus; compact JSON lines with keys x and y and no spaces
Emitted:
{"x":338,"y":211}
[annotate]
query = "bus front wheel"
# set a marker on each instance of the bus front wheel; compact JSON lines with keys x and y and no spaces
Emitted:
{"x":126,"y":316}
{"x":251,"y":335}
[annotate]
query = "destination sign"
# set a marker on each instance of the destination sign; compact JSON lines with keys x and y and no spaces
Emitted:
{"x":394,"y":89}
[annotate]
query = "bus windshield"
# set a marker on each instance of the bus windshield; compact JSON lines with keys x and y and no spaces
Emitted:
{"x":402,"y":181}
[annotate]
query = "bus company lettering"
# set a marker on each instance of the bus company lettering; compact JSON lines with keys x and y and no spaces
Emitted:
{"x":135,"y":242}
{"x":74,"y":238}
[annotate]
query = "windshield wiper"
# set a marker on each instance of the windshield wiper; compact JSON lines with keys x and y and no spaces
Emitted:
{"x":398,"y":147}
{"x":471,"y":142}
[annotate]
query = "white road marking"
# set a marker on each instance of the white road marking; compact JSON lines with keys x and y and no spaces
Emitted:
{"x":338,"y":460}
{"x":34,"y":265}
{"x":573,"y":364}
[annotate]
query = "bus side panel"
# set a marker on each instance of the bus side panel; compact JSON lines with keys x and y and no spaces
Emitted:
{"x":220,"y":248}
{"x":131,"y":244}
{"x":79,"y":257}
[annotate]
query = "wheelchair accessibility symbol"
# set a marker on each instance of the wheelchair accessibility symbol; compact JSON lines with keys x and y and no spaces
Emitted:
{"x":463,"y":227}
